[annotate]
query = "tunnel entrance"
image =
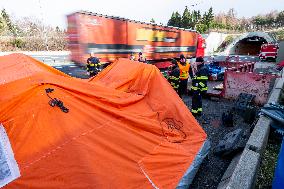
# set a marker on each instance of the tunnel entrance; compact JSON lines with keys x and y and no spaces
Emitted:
{"x":249,"y":46}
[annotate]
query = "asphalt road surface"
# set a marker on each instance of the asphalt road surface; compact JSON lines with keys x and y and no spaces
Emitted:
{"x":62,"y":63}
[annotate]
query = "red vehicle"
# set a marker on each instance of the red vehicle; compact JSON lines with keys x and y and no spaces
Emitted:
{"x":113,"y":37}
{"x":269,"y":51}
{"x":201,"y":45}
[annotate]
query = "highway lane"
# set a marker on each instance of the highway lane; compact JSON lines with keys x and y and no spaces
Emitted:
{"x":62,"y":63}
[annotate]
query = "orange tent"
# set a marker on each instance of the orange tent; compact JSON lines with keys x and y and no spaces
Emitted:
{"x":126,"y":128}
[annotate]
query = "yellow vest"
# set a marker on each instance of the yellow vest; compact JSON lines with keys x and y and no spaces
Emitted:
{"x":184,"y":69}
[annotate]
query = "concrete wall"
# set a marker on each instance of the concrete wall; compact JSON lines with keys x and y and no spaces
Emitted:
{"x":213,"y":41}
{"x":233,"y":48}
{"x":251,"y":83}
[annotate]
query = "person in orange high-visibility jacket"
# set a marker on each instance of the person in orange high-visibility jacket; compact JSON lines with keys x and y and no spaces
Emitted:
{"x":184,"y":75}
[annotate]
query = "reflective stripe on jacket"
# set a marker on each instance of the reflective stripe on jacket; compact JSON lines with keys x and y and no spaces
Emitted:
{"x":199,"y":84}
{"x":174,"y":78}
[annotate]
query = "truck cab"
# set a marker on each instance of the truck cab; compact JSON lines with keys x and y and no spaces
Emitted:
{"x":201,"y":45}
{"x":269,"y":51}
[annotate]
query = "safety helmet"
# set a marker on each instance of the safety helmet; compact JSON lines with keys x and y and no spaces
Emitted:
{"x":182,"y":56}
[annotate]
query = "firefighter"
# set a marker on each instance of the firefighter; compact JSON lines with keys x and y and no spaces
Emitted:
{"x":184,"y":74}
{"x":132,"y":57}
{"x":199,"y":86}
{"x":93,"y":64}
{"x":141,"y":57}
{"x":174,"y":76}
{"x":202,"y":75}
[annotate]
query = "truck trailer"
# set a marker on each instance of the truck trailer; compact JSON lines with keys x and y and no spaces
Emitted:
{"x":110,"y":37}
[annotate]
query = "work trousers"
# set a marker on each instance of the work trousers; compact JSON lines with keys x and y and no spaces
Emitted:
{"x":92,"y":74}
{"x":182,"y":87}
{"x":196,"y":107}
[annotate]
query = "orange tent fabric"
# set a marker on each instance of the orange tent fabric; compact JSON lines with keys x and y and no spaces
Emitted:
{"x":126,"y":128}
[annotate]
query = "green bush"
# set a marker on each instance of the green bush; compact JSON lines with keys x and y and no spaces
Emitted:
{"x":279,"y":35}
{"x":201,"y":28}
{"x":19,"y":43}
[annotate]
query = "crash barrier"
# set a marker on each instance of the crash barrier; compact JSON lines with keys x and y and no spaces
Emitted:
{"x":235,"y":63}
{"x":236,"y":66}
{"x":242,"y":172}
{"x":247,"y":67}
{"x":239,"y":66}
{"x":236,"y":82}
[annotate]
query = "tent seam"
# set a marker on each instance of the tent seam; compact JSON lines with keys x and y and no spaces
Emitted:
{"x":62,"y":145}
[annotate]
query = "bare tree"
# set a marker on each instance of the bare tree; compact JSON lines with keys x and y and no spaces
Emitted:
{"x":33,"y":35}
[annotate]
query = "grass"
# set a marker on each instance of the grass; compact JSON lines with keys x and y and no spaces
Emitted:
{"x":229,"y":39}
{"x":279,"y":35}
{"x":268,"y":164}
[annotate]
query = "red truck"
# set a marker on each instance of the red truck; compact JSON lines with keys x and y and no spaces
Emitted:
{"x":114,"y":37}
{"x":269,"y":51}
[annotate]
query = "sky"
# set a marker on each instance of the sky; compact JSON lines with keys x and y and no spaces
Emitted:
{"x":53,"y":12}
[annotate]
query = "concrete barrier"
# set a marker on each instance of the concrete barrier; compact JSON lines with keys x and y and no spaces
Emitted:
{"x":242,"y":172}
